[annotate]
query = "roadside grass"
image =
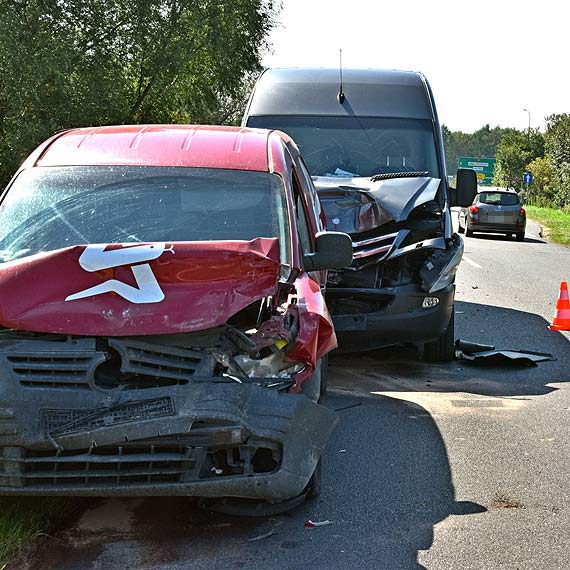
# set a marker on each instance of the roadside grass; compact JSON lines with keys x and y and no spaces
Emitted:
{"x":25,"y":519}
{"x":556,"y":223}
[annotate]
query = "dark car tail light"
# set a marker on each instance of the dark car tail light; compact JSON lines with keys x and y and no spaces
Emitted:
{"x":522,"y":212}
{"x":474,"y":209}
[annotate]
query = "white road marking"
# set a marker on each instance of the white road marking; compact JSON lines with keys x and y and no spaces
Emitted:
{"x":471,"y":262}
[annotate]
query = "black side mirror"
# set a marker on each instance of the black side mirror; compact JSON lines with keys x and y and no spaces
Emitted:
{"x":334,"y":250}
{"x":466,"y":189}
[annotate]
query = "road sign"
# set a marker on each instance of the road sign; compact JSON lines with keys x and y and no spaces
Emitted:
{"x":483,"y":167}
{"x":527,"y":178}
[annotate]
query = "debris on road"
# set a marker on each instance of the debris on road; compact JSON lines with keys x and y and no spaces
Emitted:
{"x":266,"y":535}
{"x":501,"y":501}
{"x":315,"y":523}
{"x":486,"y":355}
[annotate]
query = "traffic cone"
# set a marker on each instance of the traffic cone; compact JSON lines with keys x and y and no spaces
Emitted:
{"x":561,"y":321}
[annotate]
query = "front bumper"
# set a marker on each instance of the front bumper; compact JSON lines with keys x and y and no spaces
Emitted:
{"x":206,"y":438}
{"x":402,"y":320}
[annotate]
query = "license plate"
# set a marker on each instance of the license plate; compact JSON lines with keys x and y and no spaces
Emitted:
{"x":497,"y":218}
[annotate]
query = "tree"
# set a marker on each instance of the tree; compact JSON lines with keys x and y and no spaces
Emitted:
{"x":480,"y":144}
{"x":514,"y":152}
{"x":542,"y":190}
{"x":557,"y":142}
{"x":67,"y":63}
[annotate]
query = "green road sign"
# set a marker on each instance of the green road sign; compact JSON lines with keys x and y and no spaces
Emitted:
{"x":484,"y":167}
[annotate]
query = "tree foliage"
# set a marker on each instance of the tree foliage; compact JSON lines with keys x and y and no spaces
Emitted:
{"x":480,"y":144}
{"x":67,"y":63}
{"x":515,"y":151}
{"x":557,"y":139}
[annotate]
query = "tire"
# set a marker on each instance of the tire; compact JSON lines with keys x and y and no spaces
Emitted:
{"x":468,"y":232}
{"x":443,"y":348}
{"x":312,"y":387}
{"x":324,"y":374}
{"x":520,"y":236}
{"x":314,"y":485}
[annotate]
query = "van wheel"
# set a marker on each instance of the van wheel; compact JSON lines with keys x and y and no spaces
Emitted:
{"x":324,"y":374}
{"x":314,"y":485}
{"x":443,"y":348}
{"x":313,"y":386}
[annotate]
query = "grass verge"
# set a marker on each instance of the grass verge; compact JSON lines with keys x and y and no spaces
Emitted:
{"x":25,"y":519}
{"x":555,"y":222}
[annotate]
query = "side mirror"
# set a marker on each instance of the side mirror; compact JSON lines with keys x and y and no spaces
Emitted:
{"x":334,"y":250}
{"x":466,"y":189}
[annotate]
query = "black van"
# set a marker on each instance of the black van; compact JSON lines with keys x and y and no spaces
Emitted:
{"x":372,"y":143}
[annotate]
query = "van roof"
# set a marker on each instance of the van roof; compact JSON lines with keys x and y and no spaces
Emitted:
{"x":159,"y":145}
{"x":368,"y":93}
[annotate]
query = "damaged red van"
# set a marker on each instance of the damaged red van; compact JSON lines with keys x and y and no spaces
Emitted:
{"x":162,"y":321}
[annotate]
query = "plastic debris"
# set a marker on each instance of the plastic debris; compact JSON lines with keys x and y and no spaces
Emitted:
{"x":266,"y":535}
{"x":315,"y":523}
{"x":216,"y":470}
{"x":486,"y":355}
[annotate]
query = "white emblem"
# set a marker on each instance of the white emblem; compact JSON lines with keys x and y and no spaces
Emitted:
{"x":95,"y":258}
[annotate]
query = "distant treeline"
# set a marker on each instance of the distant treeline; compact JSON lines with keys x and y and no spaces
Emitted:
{"x":545,"y":155}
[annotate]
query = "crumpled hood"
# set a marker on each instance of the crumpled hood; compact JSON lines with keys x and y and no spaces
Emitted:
{"x":136,"y":289}
{"x":356,"y":205}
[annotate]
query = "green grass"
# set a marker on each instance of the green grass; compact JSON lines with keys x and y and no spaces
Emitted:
{"x":556,"y":223}
{"x":25,"y":519}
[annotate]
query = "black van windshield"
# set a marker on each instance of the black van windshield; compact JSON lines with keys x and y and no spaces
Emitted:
{"x":358,"y":146}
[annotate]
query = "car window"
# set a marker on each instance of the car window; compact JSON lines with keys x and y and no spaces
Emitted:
{"x":51,"y":208}
{"x":498,"y":199}
{"x":358,"y":146}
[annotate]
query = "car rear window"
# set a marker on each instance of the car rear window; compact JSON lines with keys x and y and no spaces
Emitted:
{"x":54,"y":207}
{"x":499,"y":199}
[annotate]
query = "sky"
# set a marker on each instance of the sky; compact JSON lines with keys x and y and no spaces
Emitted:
{"x":485,"y":60}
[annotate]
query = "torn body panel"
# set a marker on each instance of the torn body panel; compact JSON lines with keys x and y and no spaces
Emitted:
{"x":400,"y":284}
{"x":129,"y":290}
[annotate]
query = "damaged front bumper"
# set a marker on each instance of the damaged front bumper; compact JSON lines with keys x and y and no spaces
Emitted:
{"x":209,"y":437}
{"x":400,"y":318}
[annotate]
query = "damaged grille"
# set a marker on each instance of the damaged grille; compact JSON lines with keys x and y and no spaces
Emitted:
{"x":73,"y":363}
{"x":377,"y":247}
{"x":65,"y":422}
{"x":158,"y":461}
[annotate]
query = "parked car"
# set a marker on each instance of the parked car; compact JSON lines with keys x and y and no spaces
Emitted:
{"x":162,"y":322}
{"x":373,"y":145}
{"x":494,"y":210}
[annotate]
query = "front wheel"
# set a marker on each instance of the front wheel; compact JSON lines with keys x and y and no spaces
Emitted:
{"x":443,"y":348}
{"x":313,"y":386}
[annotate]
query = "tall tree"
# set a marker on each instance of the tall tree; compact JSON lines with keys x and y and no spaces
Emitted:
{"x":557,"y":139}
{"x":482,"y":143}
{"x":66,"y":63}
{"x":515,"y":151}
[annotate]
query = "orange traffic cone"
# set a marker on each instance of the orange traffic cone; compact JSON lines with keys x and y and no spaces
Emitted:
{"x":561,"y":321}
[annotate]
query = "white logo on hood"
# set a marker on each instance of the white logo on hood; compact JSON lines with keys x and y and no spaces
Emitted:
{"x":95,"y":258}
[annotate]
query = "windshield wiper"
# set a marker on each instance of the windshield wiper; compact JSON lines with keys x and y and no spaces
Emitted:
{"x":388,"y":175}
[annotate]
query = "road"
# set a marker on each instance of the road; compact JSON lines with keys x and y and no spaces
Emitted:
{"x":441,"y":467}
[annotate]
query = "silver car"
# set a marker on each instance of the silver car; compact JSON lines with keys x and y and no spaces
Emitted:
{"x":494,"y":210}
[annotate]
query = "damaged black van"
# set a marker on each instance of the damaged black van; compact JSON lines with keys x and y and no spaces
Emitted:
{"x":372,"y":142}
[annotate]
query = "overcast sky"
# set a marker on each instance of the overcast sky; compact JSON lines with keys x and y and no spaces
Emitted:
{"x":486,"y":60}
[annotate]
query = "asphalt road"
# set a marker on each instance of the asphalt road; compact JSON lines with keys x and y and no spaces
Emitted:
{"x":442,"y":467}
